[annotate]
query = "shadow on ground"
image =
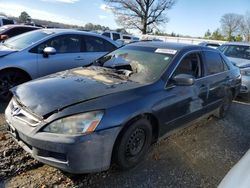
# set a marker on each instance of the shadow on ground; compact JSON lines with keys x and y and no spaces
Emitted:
{"x":2,"y":107}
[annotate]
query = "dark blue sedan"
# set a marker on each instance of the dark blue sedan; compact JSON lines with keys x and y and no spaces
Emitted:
{"x":82,"y":120}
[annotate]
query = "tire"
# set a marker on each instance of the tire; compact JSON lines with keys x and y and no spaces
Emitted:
{"x":133,"y":144}
{"x":9,"y":79}
{"x":246,"y":97}
{"x":225,"y":107}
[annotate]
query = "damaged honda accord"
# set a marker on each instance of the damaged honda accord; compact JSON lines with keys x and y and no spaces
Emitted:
{"x":85,"y":119}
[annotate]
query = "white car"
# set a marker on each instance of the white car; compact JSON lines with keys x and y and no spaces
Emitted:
{"x":239,"y":175}
{"x":239,"y":54}
{"x":46,"y":51}
{"x":120,"y":37}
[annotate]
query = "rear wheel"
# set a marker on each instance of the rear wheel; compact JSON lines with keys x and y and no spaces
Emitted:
{"x":225,"y":107}
{"x":133,"y":144}
{"x":9,"y":79}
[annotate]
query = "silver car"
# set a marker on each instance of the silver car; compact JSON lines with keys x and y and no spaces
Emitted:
{"x":42,"y":52}
{"x":239,"y":54}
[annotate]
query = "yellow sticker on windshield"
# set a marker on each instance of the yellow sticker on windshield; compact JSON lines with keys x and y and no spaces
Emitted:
{"x":165,"y":51}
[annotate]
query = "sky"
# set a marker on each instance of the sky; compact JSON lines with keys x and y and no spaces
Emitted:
{"x":187,"y":17}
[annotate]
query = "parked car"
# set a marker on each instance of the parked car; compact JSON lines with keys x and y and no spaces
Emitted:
{"x":239,"y":175}
{"x":239,"y":54}
{"x":210,"y":44}
{"x":120,"y":37}
{"x":5,"y":21}
{"x":83,"y":119}
{"x":9,"y":31}
{"x":42,"y":52}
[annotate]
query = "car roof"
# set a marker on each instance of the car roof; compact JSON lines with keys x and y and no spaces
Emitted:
{"x":238,"y":43}
{"x":74,"y":31}
{"x":167,"y":45}
{"x":19,"y":25}
{"x":59,"y":31}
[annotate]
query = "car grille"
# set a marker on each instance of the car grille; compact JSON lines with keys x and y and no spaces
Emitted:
{"x":19,"y":113}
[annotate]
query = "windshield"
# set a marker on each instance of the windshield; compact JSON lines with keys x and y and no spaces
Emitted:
{"x":25,"y":40}
{"x":236,"y":51}
{"x":140,"y":64}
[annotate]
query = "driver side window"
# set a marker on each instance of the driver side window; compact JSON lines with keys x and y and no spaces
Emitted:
{"x":191,"y":64}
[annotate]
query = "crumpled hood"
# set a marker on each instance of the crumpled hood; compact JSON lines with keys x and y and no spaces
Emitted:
{"x":5,"y":51}
{"x":241,"y":63}
{"x":57,"y":91}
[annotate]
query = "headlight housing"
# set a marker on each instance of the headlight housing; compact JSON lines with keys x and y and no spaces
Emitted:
{"x":77,"y":124}
{"x":245,"y":72}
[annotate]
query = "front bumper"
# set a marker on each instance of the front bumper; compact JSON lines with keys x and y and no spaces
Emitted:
{"x":74,"y":154}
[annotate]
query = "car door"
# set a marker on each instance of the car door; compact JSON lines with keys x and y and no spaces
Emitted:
{"x":94,"y":47}
{"x":68,"y":54}
{"x":185,"y":103}
{"x":218,"y":78}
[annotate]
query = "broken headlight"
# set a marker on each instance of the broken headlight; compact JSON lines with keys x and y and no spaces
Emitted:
{"x":76,"y":124}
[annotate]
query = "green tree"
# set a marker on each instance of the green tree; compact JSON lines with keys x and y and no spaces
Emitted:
{"x":207,"y":34}
{"x":216,"y":35}
{"x":24,"y":17}
{"x":238,"y":38}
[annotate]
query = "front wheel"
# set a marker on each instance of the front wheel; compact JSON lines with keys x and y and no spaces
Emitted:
{"x":9,"y":79}
{"x":133,"y":144}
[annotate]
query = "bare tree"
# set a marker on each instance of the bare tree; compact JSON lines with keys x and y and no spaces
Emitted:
{"x":245,"y":27}
{"x":140,"y":14}
{"x":230,"y":25}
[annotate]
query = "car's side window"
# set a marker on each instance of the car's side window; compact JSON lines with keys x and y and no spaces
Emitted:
{"x":97,"y":44}
{"x":126,"y":37}
{"x":106,"y":34}
{"x":214,"y":62}
{"x":63,"y":44}
{"x":191,"y":64}
{"x":116,"y":36}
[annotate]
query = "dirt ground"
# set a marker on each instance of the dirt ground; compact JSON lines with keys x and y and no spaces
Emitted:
{"x":198,"y":156}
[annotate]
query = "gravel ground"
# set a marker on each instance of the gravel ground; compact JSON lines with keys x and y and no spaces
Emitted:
{"x":198,"y":156}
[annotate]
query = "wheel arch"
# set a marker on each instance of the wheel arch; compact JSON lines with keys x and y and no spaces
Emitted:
{"x":18,"y":70}
{"x":149,"y":116}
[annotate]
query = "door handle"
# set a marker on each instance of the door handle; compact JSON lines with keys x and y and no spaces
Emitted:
{"x":79,"y":58}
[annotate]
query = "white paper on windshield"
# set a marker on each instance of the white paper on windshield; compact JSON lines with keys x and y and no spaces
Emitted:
{"x":165,"y":51}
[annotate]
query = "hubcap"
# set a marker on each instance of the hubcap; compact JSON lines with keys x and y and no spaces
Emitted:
{"x":135,"y":143}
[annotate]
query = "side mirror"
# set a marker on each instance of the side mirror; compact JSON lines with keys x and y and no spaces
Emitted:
{"x":49,"y":51}
{"x":184,"y":80}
